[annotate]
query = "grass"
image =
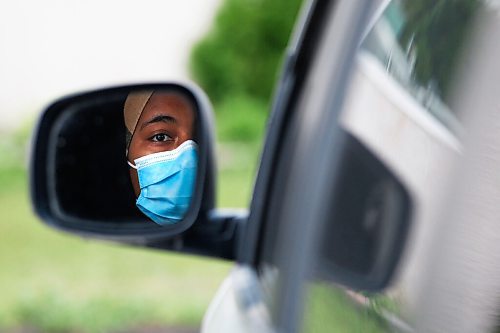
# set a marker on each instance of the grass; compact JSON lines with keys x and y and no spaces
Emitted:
{"x":237,"y":163}
{"x":55,"y":282}
{"x":61,"y":283}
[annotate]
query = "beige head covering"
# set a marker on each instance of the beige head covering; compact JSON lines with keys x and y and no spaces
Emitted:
{"x":134,"y":105}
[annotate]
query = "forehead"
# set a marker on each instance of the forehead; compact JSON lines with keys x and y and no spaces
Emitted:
{"x":170,"y":103}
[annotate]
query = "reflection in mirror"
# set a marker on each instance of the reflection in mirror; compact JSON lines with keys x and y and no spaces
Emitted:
{"x":423,"y":52}
{"x":126,"y":157}
{"x":161,"y":153}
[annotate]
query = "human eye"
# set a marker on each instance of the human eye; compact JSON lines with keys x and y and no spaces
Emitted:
{"x":160,"y":137}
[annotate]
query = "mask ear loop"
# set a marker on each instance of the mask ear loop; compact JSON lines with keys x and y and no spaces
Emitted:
{"x":131,"y":165}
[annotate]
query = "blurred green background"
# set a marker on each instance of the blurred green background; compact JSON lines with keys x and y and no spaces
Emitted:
{"x":54,"y":282}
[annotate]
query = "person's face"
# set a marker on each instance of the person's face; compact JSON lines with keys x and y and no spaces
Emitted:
{"x":165,"y":123}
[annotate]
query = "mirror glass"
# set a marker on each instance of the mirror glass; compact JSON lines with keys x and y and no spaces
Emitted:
{"x":126,"y":156}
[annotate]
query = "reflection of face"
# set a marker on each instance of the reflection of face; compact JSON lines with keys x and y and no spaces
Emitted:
{"x":165,"y":123}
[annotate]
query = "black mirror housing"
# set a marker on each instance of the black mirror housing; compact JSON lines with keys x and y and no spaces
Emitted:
{"x":79,"y":176}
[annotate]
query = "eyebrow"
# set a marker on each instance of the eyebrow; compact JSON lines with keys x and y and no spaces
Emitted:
{"x":161,"y":118}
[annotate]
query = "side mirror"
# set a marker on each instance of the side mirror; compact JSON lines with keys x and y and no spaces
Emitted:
{"x":369,"y":221}
{"x":139,"y":176}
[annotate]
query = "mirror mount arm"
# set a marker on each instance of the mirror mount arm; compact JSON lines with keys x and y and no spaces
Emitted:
{"x":215,"y":234}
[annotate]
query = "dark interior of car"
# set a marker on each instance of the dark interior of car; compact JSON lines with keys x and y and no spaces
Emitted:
{"x":97,"y":135}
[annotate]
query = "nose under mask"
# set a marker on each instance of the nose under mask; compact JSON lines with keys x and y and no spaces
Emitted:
{"x":167,"y":180}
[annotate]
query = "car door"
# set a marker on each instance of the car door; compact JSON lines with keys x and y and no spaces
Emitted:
{"x":369,"y":137}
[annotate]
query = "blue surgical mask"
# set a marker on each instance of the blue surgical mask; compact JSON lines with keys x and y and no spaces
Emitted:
{"x":167,"y":181}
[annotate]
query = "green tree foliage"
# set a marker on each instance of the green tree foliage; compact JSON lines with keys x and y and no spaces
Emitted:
{"x":242,"y":52}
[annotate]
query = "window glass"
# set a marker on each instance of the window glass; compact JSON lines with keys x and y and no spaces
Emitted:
{"x":419,"y":44}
